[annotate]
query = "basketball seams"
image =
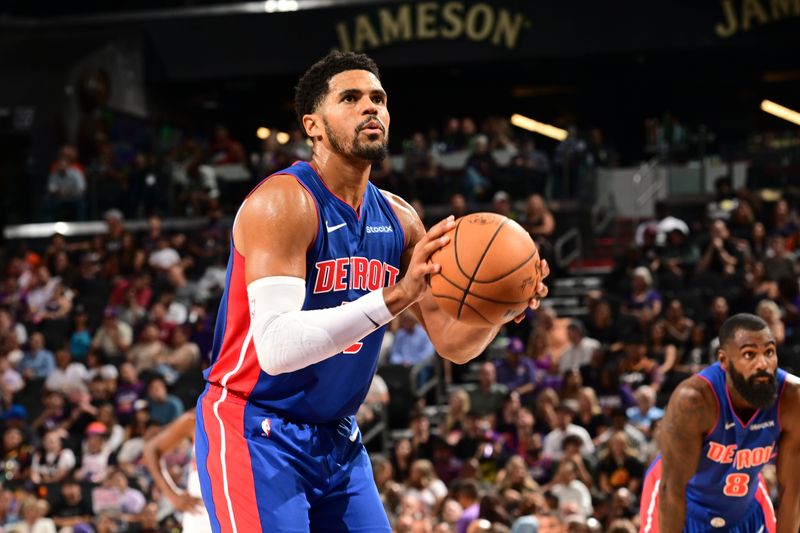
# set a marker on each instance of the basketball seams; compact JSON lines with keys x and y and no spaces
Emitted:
{"x":445,"y":297}
{"x":477,"y":266}
{"x":455,"y":249}
{"x":474,"y":295}
{"x":522,"y":264}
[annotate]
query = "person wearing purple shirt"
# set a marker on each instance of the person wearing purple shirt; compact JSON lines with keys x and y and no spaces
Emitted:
{"x":467,"y":494}
{"x":516,"y":371}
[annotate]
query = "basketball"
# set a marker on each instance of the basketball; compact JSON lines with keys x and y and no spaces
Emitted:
{"x":490,"y":270}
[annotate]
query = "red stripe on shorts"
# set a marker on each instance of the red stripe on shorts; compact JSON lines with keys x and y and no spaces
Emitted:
{"x":237,"y":510}
{"x":648,"y":507}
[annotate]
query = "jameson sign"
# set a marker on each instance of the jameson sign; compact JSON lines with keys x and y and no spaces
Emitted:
{"x":425,"y":21}
{"x":744,"y":15}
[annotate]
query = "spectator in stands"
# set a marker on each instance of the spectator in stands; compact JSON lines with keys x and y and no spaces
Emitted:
{"x":516,"y":371}
{"x":113,"y":338}
{"x":223,"y":150}
{"x":480,"y":171}
{"x":162,"y":406}
{"x":581,"y":348}
{"x":53,"y":463}
{"x":589,"y":414}
{"x":16,"y":458}
{"x":423,"y":442}
{"x":146,"y":353}
{"x":784,"y":223}
{"x":620,"y":467}
{"x":66,"y":188}
{"x":146,"y":185}
{"x":419,"y":167}
{"x":643,"y":301}
{"x":553,"y":441}
{"x":38,"y":361}
{"x":95,"y":459}
{"x":467,"y":493}
{"x":72,"y":508}
{"x":645,"y":413}
{"x":33,"y":513}
{"x":662,"y":349}
{"x":539,"y":220}
{"x":721,"y":256}
{"x":424,"y":484}
{"x":501,"y":204}
{"x":725,"y":200}
{"x":637,"y":368}
{"x":779,"y":262}
{"x":718,"y":315}
{"x":458,"y":205}
{"x":66,"y":372}
{"x":570,"y":492}
{"x":411,"y":344}
{"x":771,"y":314}
{"x":487,"y":398}
{"x":458,"y":406}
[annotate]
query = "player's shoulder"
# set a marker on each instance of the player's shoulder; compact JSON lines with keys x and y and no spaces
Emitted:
{"x":696,"y":401}
{"x":407,"y":215}
{"x":790,"y":399}
{"x":278,"y":201}
{"x":281,"y":195}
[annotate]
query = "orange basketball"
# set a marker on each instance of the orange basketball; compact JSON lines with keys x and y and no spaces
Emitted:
{"x":490,"y":270}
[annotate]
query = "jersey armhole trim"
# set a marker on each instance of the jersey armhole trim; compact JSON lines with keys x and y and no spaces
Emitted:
{"x":778,"y":410}
{"x":719,"y":405}
{"x":394,"y":210}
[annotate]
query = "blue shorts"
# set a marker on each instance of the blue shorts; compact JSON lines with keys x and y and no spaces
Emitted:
{"x":260,"y":472}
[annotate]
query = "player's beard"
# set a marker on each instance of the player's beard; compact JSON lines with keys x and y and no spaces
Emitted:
{"x":759,"y":395}
{"x":374,"y":152}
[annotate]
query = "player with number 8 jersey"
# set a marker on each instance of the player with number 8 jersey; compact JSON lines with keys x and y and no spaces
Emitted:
{"x":722,"y":427}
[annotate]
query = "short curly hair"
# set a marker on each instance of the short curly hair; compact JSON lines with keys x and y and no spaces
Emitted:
{"x":313,"y":85}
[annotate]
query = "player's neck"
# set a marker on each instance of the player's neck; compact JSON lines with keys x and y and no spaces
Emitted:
{"x":345,"y":177}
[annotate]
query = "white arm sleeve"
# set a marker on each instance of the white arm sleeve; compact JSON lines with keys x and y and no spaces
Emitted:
{"x":288,"y":339}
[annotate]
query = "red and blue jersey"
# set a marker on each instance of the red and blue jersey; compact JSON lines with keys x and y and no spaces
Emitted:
{"x":354,"y":252}
{"x":734,"y":452}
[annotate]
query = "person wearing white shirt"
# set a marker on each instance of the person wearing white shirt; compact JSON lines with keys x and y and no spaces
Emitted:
{"x":551,"y":445}
{"x":66,"y":372}
{"x":581,"y":348}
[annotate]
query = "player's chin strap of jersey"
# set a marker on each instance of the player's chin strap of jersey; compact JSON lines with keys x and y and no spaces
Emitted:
{"x":288,"y":339}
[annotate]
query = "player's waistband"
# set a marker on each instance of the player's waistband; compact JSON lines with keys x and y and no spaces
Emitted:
{"x":216,"y":390}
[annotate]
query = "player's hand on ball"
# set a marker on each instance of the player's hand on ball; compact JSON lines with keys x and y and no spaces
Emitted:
{"x":415,"y":282}
{"x":541,"y":291}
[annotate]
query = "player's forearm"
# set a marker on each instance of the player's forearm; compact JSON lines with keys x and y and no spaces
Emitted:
{"x":671,"y":509}
{"x":789,"y":511}
{"x":460,"y":343}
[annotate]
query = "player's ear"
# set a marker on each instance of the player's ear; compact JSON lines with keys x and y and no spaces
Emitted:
{"x":312,"y":124}
{"x":723,"y":359}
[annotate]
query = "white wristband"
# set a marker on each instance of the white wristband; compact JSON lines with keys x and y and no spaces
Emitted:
{"x":288,"y":339}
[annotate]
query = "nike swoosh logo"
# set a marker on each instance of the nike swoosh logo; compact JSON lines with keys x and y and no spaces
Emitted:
{"x":760,"y":530}
{"x":371,"y":320}
{"x":729,"y":425}
{"x":354,"y":435}
{"x":331,"y":229}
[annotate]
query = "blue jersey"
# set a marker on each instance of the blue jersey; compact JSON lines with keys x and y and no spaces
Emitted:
{"x":353,"y":253}
{"x":734,"y":452}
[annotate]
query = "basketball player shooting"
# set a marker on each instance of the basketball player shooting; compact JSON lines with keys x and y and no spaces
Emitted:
{"x":720,"y":429}
{"x":278,"y":448}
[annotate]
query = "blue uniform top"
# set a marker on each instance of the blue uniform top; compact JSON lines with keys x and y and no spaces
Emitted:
{"x":733,"y":455}
{"x":353,"y":253}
